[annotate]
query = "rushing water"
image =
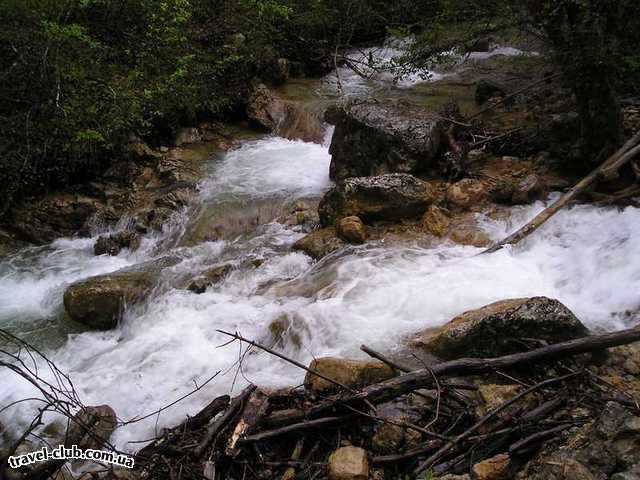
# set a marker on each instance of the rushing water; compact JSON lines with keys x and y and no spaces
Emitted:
{"x":587,"y":257}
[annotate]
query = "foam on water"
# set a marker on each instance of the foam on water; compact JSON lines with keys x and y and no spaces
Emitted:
{"x":375,"y":295}
{"x":271,"y":166}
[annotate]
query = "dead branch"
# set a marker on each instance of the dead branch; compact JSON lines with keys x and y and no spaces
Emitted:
{"x":617,"y":160}
{"x":216,"y":427}
{"x":397,"y":386}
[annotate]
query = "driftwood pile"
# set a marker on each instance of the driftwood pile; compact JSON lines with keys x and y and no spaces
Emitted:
{"x":292,"y":433}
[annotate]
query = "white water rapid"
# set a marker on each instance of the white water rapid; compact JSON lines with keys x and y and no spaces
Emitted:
{"x":587,"y":257}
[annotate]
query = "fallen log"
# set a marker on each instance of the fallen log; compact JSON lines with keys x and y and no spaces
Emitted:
{"x":201,"y":418}
{"x":254,"y":409}
{"x":216,"y":427}
{"x":610,"y":166}
{"x":398,"y":386}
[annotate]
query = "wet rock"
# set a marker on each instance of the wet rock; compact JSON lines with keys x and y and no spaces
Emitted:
{"x":287,"y":329}
{"x":467,"y":193}
{"x":93,"y":427}
{"x":348,"y":463}
{"x":494,"y":468}
{"x":497,"y":329}
{"x":435,"y":221}
{"x":177,"y":197}
{"x":372,"y":138}
{"x":264,"y":110}
{"x":518,"y":191}
{"x":210,"y":277}
{"x":466,"y":231}
{"x":528,"y":189}
{"x":185,"y":136}
{"x":386,"y":197}
{"x":608,"y":447}
{"x":113,"y":244}
{"x":486,"y":89}
{"x":351,"y":230}
{"x":352,"y":373}
{"x":53,"y":217}
{"x":320,"y":243}
{"x":98,"y":302}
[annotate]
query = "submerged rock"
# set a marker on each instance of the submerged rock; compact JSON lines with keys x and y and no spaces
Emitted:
{"x":351,"y":229}
{"x":372,"y":138}
{"x":352,"y":373}
{"x":113,"y":244}
{"x":348,"y":463}
{"x":392,"y":196}
{"x":98,"y":302}
{"x":210,"y":277}
{"x":320,"y":243}
{"x":497,"y":329}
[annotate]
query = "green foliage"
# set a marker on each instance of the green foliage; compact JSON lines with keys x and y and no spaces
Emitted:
{"x":79,"y":76}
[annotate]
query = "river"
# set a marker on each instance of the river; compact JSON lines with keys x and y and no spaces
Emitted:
{"x":375,"y":294}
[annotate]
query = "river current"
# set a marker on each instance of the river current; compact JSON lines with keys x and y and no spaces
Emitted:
{"x":587,"y":257}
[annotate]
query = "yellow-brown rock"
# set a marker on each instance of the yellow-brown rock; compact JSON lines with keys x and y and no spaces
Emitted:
{"x":352,"y":373}
{"x":348,"y":463}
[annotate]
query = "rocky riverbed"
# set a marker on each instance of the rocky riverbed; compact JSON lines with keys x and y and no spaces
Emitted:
{"x":312,"y":238}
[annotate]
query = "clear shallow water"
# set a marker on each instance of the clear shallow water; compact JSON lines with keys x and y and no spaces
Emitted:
{"x":586,"y":257}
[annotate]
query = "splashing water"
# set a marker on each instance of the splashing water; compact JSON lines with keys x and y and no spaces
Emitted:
{"x":373,"y":294}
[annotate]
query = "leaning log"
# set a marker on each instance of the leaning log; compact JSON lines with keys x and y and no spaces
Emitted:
{"x":606,"y":170}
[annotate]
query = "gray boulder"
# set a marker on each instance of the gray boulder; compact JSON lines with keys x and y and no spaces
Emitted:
{"x":392,"y":196}
{"x":502,"y":328}
{"x":371,"y":138}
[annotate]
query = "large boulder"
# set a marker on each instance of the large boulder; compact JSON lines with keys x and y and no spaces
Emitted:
{"x":501,"y":328}
{"x":392,"y":196}
{"x":372,"y":138}
{"x":264,"y":110}
{"x":352,"y":373}
{"x":98,"y":302}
